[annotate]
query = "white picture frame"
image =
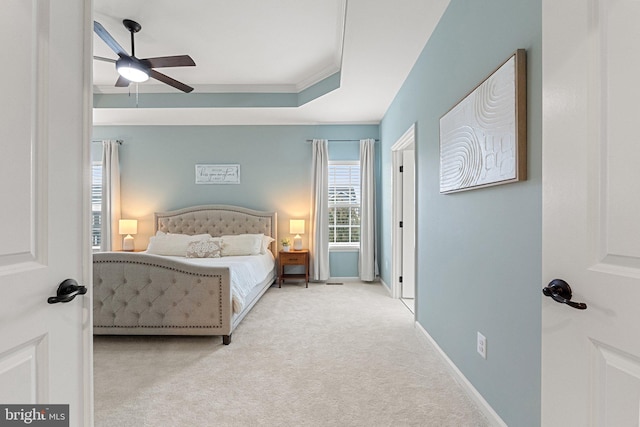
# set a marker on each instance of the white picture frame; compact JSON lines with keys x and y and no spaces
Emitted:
{"x":218,"y":174}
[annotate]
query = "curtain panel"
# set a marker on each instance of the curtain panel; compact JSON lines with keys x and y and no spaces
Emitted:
{"x":367,"y":260}
{"x":111,"y":240}
{"x":319,"y":236}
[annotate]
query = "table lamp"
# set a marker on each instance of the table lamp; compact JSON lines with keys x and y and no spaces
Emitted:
{"x":128,"y":227}
{"x":296,"y":226}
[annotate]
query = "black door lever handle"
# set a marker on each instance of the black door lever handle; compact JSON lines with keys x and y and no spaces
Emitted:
{"x":67,"y":291}
{"x":560,"y":291}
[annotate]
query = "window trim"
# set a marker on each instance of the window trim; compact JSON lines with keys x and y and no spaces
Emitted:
{"x":344,"y":247}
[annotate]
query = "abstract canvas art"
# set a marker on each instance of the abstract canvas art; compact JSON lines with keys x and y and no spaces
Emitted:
{"x":483,"y":138}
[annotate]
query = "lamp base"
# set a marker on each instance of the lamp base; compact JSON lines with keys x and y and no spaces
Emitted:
{"x":297,"y":243}
{"x":127,"y":244}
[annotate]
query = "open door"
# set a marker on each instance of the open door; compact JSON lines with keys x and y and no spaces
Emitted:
{"x":408,"y":224}
{"x":403,"y":218}
{"x":45,"y":349}
{"x":591,"y":213}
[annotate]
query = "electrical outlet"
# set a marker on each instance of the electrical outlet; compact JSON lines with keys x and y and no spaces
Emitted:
{"x":482,"y":345}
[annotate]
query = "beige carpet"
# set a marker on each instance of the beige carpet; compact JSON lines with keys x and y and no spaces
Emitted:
{"x":324,"y":356}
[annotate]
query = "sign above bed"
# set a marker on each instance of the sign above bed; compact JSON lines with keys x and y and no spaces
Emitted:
{"x":218,"y":174}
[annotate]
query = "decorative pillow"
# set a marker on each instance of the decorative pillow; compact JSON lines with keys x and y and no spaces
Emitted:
{"x":242,"y":244}
{"x":266,"y":241}
{"x":173,"y":244}
{"x":209,"y":248}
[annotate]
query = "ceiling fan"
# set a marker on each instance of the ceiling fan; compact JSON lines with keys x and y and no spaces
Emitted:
{"x":132,"y":69}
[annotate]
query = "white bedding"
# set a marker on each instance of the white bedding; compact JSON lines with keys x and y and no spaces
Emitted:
{"x":246,"y":272}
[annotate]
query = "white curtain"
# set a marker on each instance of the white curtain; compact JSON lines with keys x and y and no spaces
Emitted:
{"x":111,"y":240}
{"x":367,"y":261}
{"x":319,"y":236}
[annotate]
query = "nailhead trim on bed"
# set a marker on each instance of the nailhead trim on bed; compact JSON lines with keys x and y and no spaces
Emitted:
{"x":155,"y":265}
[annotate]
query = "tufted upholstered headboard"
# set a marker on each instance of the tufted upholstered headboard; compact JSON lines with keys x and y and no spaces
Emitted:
{"x":219,"y":220}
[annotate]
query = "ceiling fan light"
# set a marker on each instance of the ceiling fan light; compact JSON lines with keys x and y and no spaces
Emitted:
{"x":131,"y":71}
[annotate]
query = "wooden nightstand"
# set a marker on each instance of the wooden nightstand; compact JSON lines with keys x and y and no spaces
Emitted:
{"x":300,"y":257}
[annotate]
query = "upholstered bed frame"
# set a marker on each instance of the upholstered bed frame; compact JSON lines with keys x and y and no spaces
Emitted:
{"x":142,"y":294}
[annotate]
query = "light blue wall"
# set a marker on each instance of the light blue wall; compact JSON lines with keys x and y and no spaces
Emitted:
{"x":478,"y":252}
{"x":158,"y":169}
{"x":343,"y":264}
{"x":344,"y":150}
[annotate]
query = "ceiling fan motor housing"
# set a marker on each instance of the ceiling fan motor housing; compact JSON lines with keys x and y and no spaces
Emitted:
{"x":132,"y":69}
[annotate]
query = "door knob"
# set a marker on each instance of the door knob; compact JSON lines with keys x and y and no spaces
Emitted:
{"x":67,"y":291}
{"x":560,"y":291}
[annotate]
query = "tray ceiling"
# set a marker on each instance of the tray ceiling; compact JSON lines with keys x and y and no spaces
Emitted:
{"x":266,"y":47}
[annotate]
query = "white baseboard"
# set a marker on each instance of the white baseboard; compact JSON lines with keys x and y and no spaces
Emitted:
{"x":386,"y":287}
{"x":343,"y":279}
{"x":351,"y":279}
{"x":486,"y":409}
{"x":394,"y":291}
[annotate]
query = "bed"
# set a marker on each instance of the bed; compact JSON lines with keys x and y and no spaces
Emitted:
{"x":145,"y":293}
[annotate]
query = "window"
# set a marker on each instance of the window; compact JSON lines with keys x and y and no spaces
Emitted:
{"x":96,"y":205}
{"x":344,"y":203}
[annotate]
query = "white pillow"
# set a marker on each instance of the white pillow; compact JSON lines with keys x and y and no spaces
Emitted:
{"x":173,"y":244}
{"x":209,"y":248}
{"x":266,"y":241}
{"x":242,"y":244}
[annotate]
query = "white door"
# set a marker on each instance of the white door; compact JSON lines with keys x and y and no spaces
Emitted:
{"x":45,"y":349}
{"x":591,"y":212}
{"x":408,"y":224}
{"x":403,"y":211}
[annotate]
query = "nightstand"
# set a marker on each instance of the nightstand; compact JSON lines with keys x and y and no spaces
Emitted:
{"x":300,"y":258}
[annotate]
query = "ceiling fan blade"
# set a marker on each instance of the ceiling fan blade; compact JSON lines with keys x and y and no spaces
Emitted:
{"x":122,"y":82}
{"x":171,"y":82}
{"x":170,"y":61}
{"x":106,"y":37}
{"x":101,"y":58}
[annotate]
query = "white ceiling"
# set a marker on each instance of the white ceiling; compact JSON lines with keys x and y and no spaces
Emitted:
{"x":268,"y":46}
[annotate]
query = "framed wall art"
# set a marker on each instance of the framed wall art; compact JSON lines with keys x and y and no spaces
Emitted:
{"x":483,"y":138}
{"x":218,"y":174}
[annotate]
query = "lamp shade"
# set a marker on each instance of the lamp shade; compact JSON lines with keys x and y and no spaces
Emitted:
{"x":296,"y":226}
{"x":128,"y":226}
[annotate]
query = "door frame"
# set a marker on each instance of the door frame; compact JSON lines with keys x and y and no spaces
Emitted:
{"x":87,"y":253}
{"x":405,"y":142}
